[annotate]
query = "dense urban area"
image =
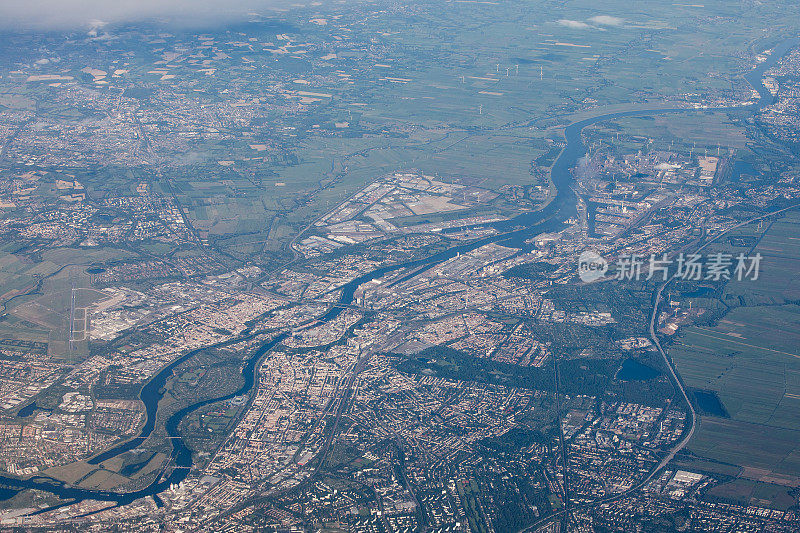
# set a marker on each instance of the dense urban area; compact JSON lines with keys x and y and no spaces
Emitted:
{"x":393,"y":267}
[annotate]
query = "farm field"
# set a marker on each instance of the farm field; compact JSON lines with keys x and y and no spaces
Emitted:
{"x":750,"y":358}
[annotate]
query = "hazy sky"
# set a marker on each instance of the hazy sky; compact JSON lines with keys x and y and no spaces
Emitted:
{"x":76,"y":14}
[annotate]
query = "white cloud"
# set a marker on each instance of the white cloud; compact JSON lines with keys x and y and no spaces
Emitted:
{"x":575,"y":24}
{"x":606,"y":20}
{"x":73,"y":14}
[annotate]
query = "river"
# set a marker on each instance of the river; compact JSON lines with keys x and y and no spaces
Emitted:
{"x":521,"y":227}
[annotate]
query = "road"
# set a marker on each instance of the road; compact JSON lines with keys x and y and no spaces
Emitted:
{"x":676,"y":381}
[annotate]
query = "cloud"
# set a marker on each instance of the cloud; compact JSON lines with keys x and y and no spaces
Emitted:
{"x":606,"y":20}
{"x":84,"y":14}
{"x":597,"y":22}
{"x":575,"y":24}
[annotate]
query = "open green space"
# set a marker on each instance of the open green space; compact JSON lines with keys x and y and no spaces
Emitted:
{"x":750,"y":357}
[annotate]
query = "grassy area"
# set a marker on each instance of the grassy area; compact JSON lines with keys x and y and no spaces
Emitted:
{"x":750,"y":358}
{"x":747,"y":492}
{"x":469,"y":91}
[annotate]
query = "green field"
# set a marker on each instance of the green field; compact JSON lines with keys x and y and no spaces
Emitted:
{"x":746,"y":492}
{"x":468,"y":90}
{"x":750,"y":358}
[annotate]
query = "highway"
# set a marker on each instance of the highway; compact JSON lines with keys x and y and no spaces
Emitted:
{"x":676,"y":381}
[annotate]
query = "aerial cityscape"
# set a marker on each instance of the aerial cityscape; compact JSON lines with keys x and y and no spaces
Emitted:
{"x":372,"y":266}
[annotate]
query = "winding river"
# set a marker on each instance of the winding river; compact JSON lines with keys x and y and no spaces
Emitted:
{"x":519,"y":228}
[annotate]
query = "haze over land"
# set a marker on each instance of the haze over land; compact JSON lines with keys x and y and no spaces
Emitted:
{"x":79,"y":14}
{"x":438,"y":266}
